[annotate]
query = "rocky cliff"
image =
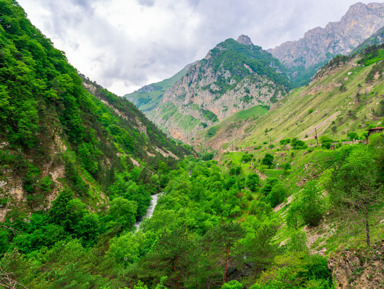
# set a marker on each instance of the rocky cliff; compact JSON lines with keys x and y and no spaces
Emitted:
{"x":234,"y":76}
{"x":306,"y":55}
{"x":359,"y":269}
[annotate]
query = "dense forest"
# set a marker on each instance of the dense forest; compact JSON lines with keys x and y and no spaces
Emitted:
{"x":78,"y":166}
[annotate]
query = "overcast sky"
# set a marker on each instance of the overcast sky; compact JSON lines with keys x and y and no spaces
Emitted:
{"x":125,"y":44}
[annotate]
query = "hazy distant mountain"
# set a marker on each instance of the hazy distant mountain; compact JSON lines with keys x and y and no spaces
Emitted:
{"x":149,"y":96}
{"x":306,"y":55}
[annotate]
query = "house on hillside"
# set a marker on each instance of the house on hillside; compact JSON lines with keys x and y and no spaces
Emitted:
{"x":375,"y":130}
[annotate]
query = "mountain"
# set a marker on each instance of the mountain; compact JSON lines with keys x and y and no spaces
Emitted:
{"x":375,"y":39}
{"x":56,"y":136}
{"x":234,"y":76}
{"x":148,"y":97}
{"x":345,"y":96}
{"x":304,"y":57}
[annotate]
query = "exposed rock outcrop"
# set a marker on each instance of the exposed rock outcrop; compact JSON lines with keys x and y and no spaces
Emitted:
{"x":319,"y":45}
{"x":359,"y":269}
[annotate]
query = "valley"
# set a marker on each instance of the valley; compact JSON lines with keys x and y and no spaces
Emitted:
{"x":240,"y":171}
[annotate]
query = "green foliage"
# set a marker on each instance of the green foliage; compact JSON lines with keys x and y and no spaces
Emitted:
{"x":209,"y":115}
{"x":211,"y":132}
{"x":353,"y":136}
{"x":285,"y":141}
{"x":298,"y":144}
{"x":325,"y":141}
{"x":353,"y":184}
{"x":253,"y":182}
{"x":234,"y":55}
{"x":267,"y":160}
{"x":309,"y":205}
{"x":277,"y":195}
{"x":246,"y":158}
{"x":235,"y":171}
{"x":123,"y":212}
{"x":298,"y":271}
{"x":232,"y":285}
{"x":207,"y":157}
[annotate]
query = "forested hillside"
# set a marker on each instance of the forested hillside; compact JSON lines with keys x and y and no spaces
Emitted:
{"x":64,"y":149}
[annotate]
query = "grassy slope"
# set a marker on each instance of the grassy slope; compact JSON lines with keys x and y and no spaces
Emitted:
{"x":293,"y":118}
{"x":329,"y":101}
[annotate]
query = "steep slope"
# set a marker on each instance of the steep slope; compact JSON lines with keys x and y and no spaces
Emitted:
{"x":232,"y":77}
{"x":56,"y":136}
{"x":375,"y":39}
{"x":344,"y":97}
{"x":304,"y":57}
{"x":148,"y":97}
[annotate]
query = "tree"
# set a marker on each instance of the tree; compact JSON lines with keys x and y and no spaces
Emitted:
{"x":123,"y":212}
{"x":311,"y":204}
{"x":253,"y":182}
{"x":277,"y":195}
{"x":267,"y":160}
{"x":353,"y":185}
{"x":220,"y":241}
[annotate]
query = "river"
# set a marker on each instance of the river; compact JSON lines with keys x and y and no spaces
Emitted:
{"x":151,"y":208}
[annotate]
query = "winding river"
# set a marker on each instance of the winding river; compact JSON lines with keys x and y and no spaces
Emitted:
{"x":151,"y":208}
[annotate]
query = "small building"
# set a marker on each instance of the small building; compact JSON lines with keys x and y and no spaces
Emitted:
{"x":375,"y":130}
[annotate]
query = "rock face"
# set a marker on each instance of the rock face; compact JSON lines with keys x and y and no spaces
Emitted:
{"x":359,"y":269}
{"x":234,"y":76}
{"x":304,"y":56}
{"x":244,"y":39}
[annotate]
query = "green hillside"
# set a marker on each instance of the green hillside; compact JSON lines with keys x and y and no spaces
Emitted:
{"x":345,"y":97}
{"x":232,"y":55}
{"x":59,"y":139}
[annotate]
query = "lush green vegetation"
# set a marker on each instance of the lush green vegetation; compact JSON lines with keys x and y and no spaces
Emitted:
{"x":232,"y":55}
{"x":234,"y":223}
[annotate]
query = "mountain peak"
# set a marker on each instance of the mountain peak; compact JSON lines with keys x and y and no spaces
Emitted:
{"x":244,"y":39}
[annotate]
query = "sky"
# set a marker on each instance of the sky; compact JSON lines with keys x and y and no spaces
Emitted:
{"x":126,"y":44}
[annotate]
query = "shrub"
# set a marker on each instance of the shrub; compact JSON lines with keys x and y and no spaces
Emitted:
{"x":298,"y":144}
{"x":246,"y":158}
{"x":267,"y":160}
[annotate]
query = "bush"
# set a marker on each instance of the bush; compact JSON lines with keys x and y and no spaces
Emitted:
{"x":208,"y":157}
{"x":277,"y":195}
{"x":298,"y":144}
{"x":267,"y":160}
{"x":246,"y":158}
{"x":232,"y":285}
{"x":325,"y":141}
{"x":253,"y":182}
{"x":234,"y":171}
{"x":285,"y":141}
{"x":353,"y":136}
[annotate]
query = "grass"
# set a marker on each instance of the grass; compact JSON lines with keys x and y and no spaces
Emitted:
{"x":340,"y":102}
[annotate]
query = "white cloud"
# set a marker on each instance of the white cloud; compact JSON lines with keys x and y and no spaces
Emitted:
{"x":124,"y":44}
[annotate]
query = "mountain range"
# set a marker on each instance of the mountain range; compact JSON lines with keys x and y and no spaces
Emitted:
{"x":200,"y":98}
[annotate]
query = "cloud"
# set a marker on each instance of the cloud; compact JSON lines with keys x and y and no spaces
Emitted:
{"x":124,"y":45}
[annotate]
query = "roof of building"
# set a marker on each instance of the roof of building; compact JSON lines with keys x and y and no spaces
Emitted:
{"x":377,"y":128}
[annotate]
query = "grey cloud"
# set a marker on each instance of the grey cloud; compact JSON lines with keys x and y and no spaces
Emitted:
{"x":146,"y":2}
{"x":74,"y":24}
